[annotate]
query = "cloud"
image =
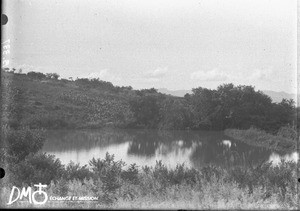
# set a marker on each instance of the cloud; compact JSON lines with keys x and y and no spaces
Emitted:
{"x":104,"y":75}
{"x":262,"y":74}
{"x":157,"y":73}
{"x":212,"y":75}
{"x":25,"y":68}
{"x":101,"y":74}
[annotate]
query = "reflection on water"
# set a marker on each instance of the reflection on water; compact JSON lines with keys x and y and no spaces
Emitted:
{"x":145,"y":147}
{"x":226,"y":143}
{"x":276,"y":158}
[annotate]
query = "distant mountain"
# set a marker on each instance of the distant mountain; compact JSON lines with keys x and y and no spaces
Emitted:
{"x":275,"y":96}
{"x":178,"y":93}
{"x":278,"y":96}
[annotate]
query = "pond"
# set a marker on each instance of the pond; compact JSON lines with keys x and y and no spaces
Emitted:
{"x":144,"y":147}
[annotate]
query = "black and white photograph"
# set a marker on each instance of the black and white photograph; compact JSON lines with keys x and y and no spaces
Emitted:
{"x":149,"y":104}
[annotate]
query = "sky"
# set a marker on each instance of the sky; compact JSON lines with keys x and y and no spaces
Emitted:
{"x":173,"y":44}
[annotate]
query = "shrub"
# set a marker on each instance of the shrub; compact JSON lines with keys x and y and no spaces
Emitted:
{"x":210,"y":171}
{"x":52,"y":75}
{"x":131,"y":174}
{"x":75,"y":171}
{"x":161,"y":174}
{"x":287,"y":132}
{"x":181,"y":175}
{"x":21,"y":143}
{"x":109,"y":172}
{"x":36,"y":75}
{"x":94,"y":83}
{"x":146,"y":169}
{"x":61,"y":187}
{"x":282,"y":176}
{"x":38,"y":168}
{"x":48,"y":121}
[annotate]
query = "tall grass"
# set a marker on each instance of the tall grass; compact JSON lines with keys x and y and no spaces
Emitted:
{"x":121,"y":186}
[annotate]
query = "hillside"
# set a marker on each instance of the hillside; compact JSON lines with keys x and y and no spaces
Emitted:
{"x":61,"y":103}
{"x":278,"y":96}
{"x":178,"y":93}
{"x":42,"y":100}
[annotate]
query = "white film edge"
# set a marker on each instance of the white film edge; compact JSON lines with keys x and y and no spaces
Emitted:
{"x":149,"y":104}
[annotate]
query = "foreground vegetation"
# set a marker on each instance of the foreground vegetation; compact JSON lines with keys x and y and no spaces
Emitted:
{"x":118,"y":185}
{"x":184,"y":188}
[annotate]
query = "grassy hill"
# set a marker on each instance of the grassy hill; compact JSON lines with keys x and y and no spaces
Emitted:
{"x":53,"y":103}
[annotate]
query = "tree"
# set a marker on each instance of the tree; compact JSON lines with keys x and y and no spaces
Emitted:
{"x":174,"y":114}
{"x":145,"y":106}
{"x":282,"y":114}
{"x":52,"y":76}
{"x":204,"y":103}
{"x":238,"y":107}
{"x":36,"y":75}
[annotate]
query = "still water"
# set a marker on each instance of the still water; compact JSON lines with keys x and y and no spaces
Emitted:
{"x":145,"y":147}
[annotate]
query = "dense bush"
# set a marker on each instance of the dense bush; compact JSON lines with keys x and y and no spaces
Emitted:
{"x":19,"y":150}
{"x":37,"y":168}
{"x":131,"y":174}
{"x":109,"y":172}
{"x":18,"y":144}
{"x":288,"y":132}
{"x":113,"y":183}
{"x":145,"y":107}
{"x":175,"y":114}
{"x":49,"y":121}
{"x":36,"y":75}
{"x":76,"y":172}
{"x":52,"y":75}
{"x":94,"y":83}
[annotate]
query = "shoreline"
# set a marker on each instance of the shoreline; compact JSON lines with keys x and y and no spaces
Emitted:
{"x":259,"y":138}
